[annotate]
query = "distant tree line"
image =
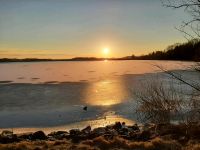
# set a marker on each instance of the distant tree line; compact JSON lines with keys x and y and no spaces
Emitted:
{"x":23,"y":60}
{"x":189,"y":51}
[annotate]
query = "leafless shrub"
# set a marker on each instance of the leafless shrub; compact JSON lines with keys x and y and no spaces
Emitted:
{"x":192,"y":105}
{"x":193,"y":112}
{"x":164,"y":101}
{"x":158,"y":102}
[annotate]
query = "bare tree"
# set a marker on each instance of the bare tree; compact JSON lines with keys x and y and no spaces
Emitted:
{"x":195,"y":85}
{"x":191,"y":27}
{"x":158,"y":102}
{"x":191,"y":30}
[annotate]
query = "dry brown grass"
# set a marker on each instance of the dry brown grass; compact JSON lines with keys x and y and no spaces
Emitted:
{"x":120,"y":143}
{"x":101,"y":143}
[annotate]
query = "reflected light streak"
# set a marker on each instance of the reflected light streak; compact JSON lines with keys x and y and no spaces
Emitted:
{"x":105,"y":93}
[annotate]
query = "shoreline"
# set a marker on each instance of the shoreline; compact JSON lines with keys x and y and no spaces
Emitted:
{"x":115,"y":136}
{"x":94,"y":123}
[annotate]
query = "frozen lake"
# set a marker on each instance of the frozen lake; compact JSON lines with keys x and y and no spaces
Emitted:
{"x":51,"y":95}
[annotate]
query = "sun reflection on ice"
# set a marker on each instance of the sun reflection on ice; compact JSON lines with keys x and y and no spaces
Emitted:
{"x":105,"y":93}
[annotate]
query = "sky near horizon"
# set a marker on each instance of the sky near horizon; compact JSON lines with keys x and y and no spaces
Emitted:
{"x":80,"y":28}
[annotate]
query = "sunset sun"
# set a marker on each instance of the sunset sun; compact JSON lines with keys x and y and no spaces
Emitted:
{"x":106,"y":51}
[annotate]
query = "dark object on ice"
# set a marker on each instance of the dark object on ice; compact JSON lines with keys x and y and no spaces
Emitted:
{"x":85,"y":108}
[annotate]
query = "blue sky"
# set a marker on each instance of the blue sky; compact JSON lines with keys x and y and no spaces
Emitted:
{"x":71,"y":28}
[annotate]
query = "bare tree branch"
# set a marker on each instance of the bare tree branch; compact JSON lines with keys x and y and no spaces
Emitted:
{"x":178,"y":78}
{"x":189,"y":28}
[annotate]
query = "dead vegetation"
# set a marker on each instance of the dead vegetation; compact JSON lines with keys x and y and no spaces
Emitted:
{"x":99,"y":143}
{"x":165,"y":101}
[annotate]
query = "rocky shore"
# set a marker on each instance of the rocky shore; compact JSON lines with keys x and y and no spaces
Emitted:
{"x":116,"y":136}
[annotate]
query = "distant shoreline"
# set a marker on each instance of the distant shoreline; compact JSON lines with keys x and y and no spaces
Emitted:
{"x":8,"y":60}
{"x":178,"y":52}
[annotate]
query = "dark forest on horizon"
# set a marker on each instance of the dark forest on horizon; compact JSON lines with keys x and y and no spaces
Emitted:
{"x":189,"y":51}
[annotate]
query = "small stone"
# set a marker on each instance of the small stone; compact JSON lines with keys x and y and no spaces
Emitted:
{"x":123,"y":125}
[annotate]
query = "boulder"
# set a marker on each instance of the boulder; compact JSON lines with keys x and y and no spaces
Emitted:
{"x":86,"y":130}
{"x":39,"y":135}
{"x":113,"y":132}
{"x":124,"y":131}
{"x":76,"y":135}
{"x":8,"y":139}
{"x":134,"y":128}
{"x":117,"y":126}
{"x":58,"y":135}
{"x":6,"y":133}
{"x":149,"y":126}
{"x":144,"y":136}
{"x":123,"y":125}
{"x":61,"y":132}
{"x":74,"y":132}
{"x":133,"y":135}
{"x":99,"y":131}
{"x":25,"y":136}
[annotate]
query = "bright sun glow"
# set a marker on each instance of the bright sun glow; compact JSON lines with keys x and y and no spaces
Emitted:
{"x":106,"y":51}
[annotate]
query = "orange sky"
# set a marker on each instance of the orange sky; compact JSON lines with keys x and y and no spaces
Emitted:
{"x":66,"y":29}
